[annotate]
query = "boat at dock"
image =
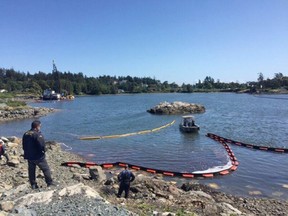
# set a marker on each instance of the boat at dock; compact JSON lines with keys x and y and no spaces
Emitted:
{"x":50,"y":95}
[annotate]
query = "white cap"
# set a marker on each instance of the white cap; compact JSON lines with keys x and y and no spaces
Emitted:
{"x":1,"y":141}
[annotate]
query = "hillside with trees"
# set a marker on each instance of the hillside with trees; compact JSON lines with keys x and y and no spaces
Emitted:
{"x":77,"y":83}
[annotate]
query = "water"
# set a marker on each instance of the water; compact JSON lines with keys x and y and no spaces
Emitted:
{"x":242,"y":117}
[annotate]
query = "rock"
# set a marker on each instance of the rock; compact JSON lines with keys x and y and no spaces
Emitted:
{"x":176,"y":108}
{"x":207,"y":208}
{"x":189,"y":186}
{"x":16,"y":190}
{"x":77,"y":176}
{"x":85,"y":176}
{"x":15,"y":139}
{"x":13,"y":162}
{"x":7,"y":206}
{"x":168,"y":214}
{"x":201,"y":195}
{"x":4,"y":187}
{"x":214,"y":185}
{"x":173,"y":190}
{"x":155,"y":213}
{"x":4,"y":139}
{"x":229,"y":209}
{"x":161,"y":194}
{"x":52,"y":145}
{"x":40,"y":197}
{"x":2,"y":213}
{"x":79,"y":189}
{"x":170,"y":197}
{"x":140,"y":178}
{"x":96,"y":173}
{"x":134,"y":189}
{"x":23,"y":174}
{"x":109,"y":181}
{"x":162,"y":200}
{"x":76,"y":166}
{"x":25,"y":212}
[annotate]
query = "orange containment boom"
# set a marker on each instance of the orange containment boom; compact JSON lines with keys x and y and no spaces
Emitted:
{"x":198,"y":174}
{"x":250,"y":146}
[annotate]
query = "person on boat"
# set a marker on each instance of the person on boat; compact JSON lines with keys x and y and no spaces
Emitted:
{"x":33,"y":144}
{"x":125,"y":177}
{"x":193,"y":123}
{"x":185,"y":123}
{"x":3,"y":151}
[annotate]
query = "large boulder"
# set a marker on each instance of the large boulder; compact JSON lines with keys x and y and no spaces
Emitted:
{"x":97,"y":173}
{"x":176,"y":107}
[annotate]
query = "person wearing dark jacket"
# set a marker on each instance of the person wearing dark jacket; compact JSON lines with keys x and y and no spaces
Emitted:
{"x":125,"y":177}
{"x":34,"y":151}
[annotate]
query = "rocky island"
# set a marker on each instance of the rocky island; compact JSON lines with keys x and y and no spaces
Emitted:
{"x":176,"y":107}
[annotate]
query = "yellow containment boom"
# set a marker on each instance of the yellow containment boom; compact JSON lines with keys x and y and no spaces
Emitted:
{"x":127,"y":134}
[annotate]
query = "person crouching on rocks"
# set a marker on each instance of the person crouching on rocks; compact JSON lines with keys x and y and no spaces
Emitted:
{"x":34,"y":151}
{"x":3,"y":151}
{"x":125,"y":177}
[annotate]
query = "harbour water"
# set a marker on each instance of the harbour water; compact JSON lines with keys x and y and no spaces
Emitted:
{"x":259,"y":120}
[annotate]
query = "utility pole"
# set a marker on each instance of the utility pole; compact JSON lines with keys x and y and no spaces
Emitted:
{"x":54,"y":67}
{"x":56,"y":72}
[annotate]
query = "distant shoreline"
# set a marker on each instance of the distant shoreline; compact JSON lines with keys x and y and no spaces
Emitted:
{"x":15,"y":113}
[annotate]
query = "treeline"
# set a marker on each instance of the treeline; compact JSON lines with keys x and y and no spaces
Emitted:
{"x":77,"y":83}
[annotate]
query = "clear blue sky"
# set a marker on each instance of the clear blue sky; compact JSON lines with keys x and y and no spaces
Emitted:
{"x":175,"y":41}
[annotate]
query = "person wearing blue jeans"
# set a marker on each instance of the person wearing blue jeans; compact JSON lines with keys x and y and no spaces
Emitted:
{"x":34,"y":151}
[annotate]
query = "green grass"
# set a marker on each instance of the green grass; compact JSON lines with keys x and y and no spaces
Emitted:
{"x":145,"y":208}
{"x":6,"y":95}
{"x":181,"y":212}
{"x":8,"y":99}
{"x":11,"y":103}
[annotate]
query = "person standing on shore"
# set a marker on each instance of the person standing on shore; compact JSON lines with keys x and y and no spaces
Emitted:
{"x":3,"y":151}
{"x":125,"y":177}
{"x":34,"y":151}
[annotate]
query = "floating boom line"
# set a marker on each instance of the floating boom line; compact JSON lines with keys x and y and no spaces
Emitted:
{"x":127,"y":134}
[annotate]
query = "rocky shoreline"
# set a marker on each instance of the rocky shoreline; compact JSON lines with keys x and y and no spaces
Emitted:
{"x":8,"y":113}
{"x":91,"y":191}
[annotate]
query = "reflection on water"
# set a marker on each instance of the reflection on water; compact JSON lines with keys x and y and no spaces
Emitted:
{"x":241,"y":117}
